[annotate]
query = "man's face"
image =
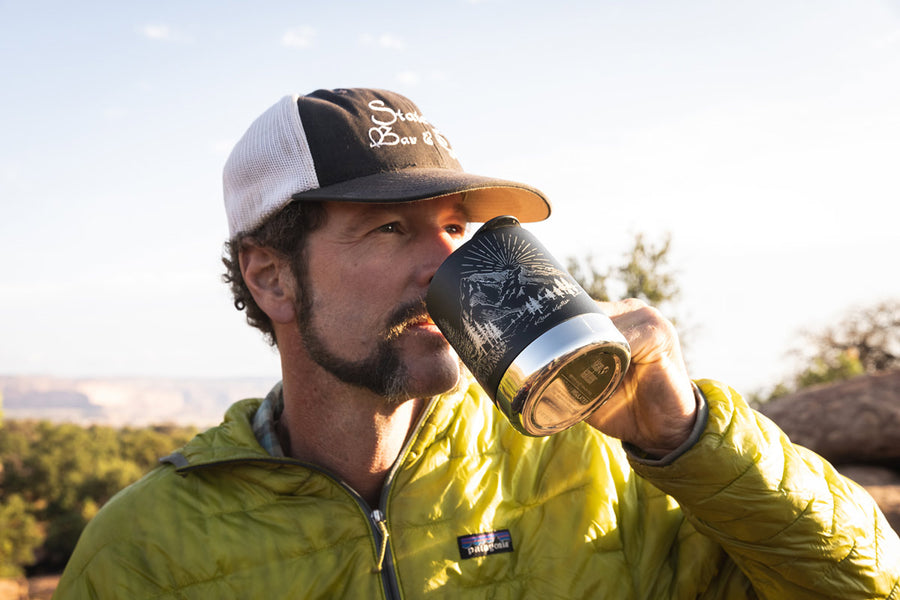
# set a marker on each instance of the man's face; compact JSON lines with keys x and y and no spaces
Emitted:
{"x":360,"y":309}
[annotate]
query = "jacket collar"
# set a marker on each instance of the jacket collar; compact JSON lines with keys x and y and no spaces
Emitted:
{"x":243,"y":435}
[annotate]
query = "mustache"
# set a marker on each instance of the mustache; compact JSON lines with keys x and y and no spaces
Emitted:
{"x":405,"y":316}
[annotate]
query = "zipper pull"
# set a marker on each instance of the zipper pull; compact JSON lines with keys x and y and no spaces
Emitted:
{"x":378,"y":519}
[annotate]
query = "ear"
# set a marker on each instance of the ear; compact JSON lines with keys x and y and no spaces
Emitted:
{"x":268,"y":277}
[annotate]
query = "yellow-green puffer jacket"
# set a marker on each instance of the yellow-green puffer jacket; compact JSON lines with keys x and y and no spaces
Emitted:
{"x":475,"y":510}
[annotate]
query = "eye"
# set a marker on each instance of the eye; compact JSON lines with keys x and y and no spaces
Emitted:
{"x":456,"y":230}
{"x":389,"y":228}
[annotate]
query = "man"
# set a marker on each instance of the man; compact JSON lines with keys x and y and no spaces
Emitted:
{"x":378,"y":469}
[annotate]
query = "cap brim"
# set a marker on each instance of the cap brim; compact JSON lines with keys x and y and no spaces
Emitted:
{"x":485,"y":197}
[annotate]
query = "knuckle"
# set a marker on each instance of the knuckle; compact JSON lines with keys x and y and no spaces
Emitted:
{"x":635,"y":303}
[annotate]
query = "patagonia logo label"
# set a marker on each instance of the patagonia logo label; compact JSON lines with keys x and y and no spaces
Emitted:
{"x":482,"y":544}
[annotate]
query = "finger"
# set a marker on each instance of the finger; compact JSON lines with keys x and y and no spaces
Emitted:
{"x":620,"y":307}
{"x":647,"y":331}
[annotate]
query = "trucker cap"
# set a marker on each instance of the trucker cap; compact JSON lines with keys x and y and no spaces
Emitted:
{"x":357,"y":145}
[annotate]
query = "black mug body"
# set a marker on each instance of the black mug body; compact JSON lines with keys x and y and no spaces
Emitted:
{"x":537,"y":343}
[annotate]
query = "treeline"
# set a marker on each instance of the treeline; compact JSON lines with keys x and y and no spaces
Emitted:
{"x":54,"y":478}
{"x":865,"y":340}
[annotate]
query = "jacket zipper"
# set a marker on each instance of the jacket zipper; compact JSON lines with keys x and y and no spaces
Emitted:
{"x":385,"y":565}
{"x":378,"y":516}
{"x":378,"y":520}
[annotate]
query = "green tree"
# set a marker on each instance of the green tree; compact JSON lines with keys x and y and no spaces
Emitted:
{"x":645,"y":273}
{"x":830,"y":369}
{"x":20,"y":536}
{"x":594,"y":280}
{"x":864,"y":341}
{"x":870,"y":335}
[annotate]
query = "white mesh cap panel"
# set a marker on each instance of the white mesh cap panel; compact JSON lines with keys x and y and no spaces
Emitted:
{"x":269,"y":164}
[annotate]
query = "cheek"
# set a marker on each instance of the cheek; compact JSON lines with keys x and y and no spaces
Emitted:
{"x":347,"y":271}
{"x":358,"y":286}
{"x":373,"y":281}
{"x":350,"y":300}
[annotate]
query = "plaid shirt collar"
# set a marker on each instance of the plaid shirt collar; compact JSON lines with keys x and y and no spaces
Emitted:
{"x":266,"y":419}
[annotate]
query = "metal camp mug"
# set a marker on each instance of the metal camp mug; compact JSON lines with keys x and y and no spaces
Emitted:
{"x":537,"y":343}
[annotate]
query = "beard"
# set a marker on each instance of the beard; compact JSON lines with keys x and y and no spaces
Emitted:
{"x":383,"y":370}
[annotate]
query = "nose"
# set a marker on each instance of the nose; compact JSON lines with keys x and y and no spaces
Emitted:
{"x":436,"y":250}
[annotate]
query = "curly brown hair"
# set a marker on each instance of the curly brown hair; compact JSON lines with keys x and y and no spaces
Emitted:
{"x":286,"y":233}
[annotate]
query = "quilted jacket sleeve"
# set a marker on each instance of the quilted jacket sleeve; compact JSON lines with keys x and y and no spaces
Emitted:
{"x":793,"y":525}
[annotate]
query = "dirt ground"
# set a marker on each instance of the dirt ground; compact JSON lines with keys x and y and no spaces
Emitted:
{"x":41,"y":588}
{"x":35,"y":588}
{"x":888,"y":499}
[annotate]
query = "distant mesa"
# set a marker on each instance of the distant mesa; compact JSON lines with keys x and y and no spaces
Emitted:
{"x":126,"y":401}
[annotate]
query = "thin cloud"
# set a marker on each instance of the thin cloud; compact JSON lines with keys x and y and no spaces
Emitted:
{"x":156,"y":32}
{"x":299,"y":37}
{"x":385,"y":40}
{"x":162,"y":33}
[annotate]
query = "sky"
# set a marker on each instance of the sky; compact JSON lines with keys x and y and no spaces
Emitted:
{"x":764,"y":137}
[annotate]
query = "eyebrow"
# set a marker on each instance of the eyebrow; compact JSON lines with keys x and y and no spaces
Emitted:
{"x":462,"y":209}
